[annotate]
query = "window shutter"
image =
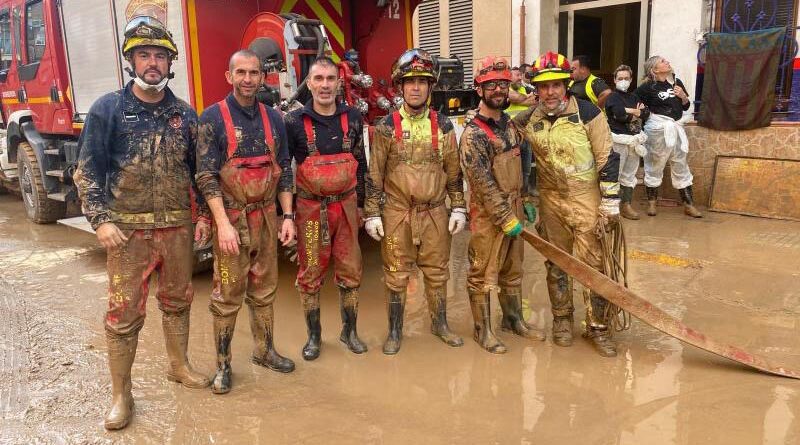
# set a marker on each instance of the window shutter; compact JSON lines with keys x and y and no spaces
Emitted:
{"x":429,"y":27}
{"x":461,"y":35}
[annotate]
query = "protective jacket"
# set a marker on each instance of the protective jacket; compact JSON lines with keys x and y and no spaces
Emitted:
{"x":137,"y":161}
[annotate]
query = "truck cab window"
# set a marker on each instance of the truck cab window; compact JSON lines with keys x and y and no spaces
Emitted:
{"x":34,"y":30}
{"x":17,"y":35}
{"x":5,"y":40}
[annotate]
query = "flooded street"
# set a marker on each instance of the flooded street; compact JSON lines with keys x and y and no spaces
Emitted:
{"x":731,"y":277}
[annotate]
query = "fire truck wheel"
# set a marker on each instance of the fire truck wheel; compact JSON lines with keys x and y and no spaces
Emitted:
{"x":39,"y":208}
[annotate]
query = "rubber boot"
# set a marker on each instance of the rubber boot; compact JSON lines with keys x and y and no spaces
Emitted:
{"x":264,"y":353}
{"x":625,"y":207}
{"x":176,"y":337}
{"x":562,"y":330}
{"x":223,"y":336}
{"x":348,"y":304}
{"x":311,"y":311}
{"x":511,"y":304}
{"x":482,"y":316}
{"x":437,"y":307}
{"x":397,"y":304}
{"x":560,"y":292}
{"x":601,"y":340}
{"x":652,"y":200}
{"x":121,"y":352}
{"x":688,"y":203}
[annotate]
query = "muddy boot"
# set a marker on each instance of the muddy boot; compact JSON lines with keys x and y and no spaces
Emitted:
{"x":176,"y":337}
{"x":511,"y":304}
{"x":625,"y":207}
{"x":688,"y":203}
{"x":437,"y":306}
{"x":482,"y":316}
{"x":397,"y":304}
{"x":601,"y":340}
{"x":348,"y":303}
{"x":562,"y":330}
{"x":559,"y":289}
{"x":121,"y":352}
{"x":264,"y":353}
{"x":223,"y":335}
{"x":652,"y":200}
{"x":311,"y":310}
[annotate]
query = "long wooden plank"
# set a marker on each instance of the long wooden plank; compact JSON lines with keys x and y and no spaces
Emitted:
{"x":646,"y":311}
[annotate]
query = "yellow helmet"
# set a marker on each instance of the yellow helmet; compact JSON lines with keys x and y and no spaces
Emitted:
{"x":551,"y":66}
{"x":147,"y":31}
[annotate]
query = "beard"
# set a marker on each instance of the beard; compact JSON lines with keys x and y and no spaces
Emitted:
{"x":497,"y":102}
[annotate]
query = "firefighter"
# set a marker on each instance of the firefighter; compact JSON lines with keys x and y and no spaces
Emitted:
{"x":577,"y":179}
{"x":490,"y":155}
{"x":414,"y":166}
{"x":325,"y":140}
{"x":242,"y":163}
{"x":135,"y":171}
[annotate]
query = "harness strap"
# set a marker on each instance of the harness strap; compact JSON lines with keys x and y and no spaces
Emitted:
{"x":312,"y":141}
{"x":230,"y":131}
{"x":397,"y":119}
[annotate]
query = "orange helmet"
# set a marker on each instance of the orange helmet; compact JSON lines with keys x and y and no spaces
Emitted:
{"x":492,"y":68}
{"x":551,"y":66}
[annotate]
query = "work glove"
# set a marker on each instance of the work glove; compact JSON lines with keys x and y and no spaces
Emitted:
{"x":374,"y":227}
{"x":458,"y":220}
{"x":530,"y":211}
{"x":513,"y":228}
{"x":609,"y":211}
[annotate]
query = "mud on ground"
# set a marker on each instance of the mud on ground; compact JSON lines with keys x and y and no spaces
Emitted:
{"x":734,"y":278}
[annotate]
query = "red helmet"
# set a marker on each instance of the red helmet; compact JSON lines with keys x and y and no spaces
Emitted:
{"x":551,"y":66}
{"x":492,"y":68}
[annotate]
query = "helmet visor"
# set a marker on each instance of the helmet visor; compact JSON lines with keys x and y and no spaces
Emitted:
{"x":416,"y":60}
{"x":145,"y":26}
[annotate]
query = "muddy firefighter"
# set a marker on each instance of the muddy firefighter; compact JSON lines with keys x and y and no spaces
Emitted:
{"x":499,"y":201}
{"x":135,"y":170}
{"x":325,"y":140}
{"x":577,"y":179}
{"x":414,"y":166}
{"x":242,"y":164}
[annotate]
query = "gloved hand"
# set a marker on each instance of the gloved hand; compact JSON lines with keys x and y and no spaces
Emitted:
{"x":374,"y":227}
{"x":530,"y":211}
{"x":609,"y":210}
{"x":458,"y":220}
{"x":469,"y":115}
{"x":513,"y":228}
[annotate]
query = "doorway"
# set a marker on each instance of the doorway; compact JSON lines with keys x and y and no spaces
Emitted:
{"x":610,"y":32}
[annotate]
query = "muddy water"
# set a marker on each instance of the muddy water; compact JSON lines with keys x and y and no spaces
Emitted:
{"x":734,"y":278}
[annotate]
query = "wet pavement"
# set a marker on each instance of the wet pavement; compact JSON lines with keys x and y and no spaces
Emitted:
{"x":732,"y":277}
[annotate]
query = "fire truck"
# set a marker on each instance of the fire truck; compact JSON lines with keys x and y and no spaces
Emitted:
{"x":58,"y":56}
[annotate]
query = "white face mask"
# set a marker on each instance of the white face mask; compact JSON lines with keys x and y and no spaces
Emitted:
{"x":623,"y":85}
{"x":152,"y":88}
{"x":561,"y":107}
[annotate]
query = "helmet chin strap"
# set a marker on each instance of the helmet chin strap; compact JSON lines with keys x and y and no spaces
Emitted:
{"x":157,"y":88}
{"x":559,"y":109}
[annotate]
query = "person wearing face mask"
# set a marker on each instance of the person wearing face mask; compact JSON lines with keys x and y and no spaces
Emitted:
{"x":414,"y":167}
{"x":499,"y":201}
{"x":577,"y":178}
{"x":325,"y":140}
{"x":135,"y":171}
{"x":626,"y":115}
{"x":242,"y":165}
{"x":666,"y":97}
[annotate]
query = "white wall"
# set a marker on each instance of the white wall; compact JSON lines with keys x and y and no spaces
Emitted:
{"x":674,"y":26}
